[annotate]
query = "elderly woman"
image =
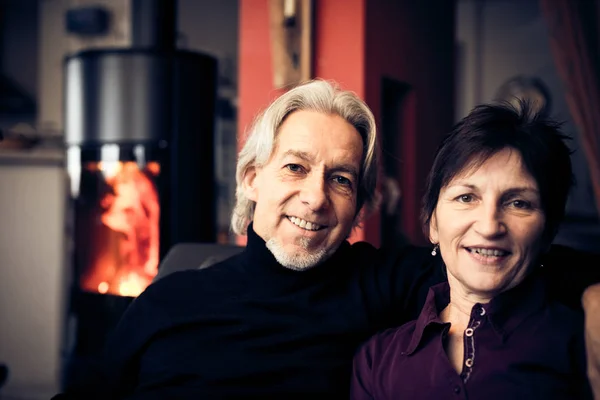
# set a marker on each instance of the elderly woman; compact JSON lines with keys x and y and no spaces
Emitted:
{"x":494,"y":200}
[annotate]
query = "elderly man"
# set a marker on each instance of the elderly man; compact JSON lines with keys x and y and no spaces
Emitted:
{"x":283,"y":318}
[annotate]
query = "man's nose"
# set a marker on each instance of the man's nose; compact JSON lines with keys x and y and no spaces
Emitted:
{"x":314,"y":193}
{"x":490,"y":222}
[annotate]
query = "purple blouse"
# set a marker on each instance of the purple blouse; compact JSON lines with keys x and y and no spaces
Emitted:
{"x":518,"y":346}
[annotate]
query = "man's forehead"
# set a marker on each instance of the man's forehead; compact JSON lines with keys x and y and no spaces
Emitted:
{"x":306,"y":150}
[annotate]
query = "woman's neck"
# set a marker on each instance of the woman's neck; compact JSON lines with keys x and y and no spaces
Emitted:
{"x":462,"y":300}
{"x":458,"y":314}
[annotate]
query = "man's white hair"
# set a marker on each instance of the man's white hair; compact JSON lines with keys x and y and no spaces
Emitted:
{"x":316,"y":95}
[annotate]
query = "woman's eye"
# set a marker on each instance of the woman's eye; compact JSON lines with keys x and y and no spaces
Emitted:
{"x":521,"y":204}
{"x":465,"y":198}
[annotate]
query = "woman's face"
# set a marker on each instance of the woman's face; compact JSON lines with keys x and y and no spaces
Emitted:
{"x":489,"y":224}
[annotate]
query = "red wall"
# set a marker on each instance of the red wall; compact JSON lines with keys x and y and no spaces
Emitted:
{"x":255,"y":75}
{"x":339,"y":45}
{"x":356,"y":43}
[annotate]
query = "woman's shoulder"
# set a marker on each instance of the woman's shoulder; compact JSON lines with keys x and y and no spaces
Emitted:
{"x":392,"y":341}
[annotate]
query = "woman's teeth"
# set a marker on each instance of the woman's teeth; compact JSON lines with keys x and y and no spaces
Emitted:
{"x":489,"y":252}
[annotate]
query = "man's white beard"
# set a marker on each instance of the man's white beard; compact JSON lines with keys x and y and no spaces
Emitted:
{"x":302,"y":260}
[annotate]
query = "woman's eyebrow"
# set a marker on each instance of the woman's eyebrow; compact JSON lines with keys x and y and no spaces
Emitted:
{"x":523,"y":189}
{"x":469,"y":186}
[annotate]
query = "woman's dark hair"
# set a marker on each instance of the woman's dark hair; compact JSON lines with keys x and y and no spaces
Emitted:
{"x":487,"y":130}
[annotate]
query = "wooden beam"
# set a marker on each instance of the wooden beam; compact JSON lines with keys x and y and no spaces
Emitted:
{"x":291,"y":41}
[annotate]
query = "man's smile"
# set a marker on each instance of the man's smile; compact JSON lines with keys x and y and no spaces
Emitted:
{"x":307,"y":225}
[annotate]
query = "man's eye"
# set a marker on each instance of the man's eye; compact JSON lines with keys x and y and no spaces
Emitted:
{"x":342,"y":180}
{"x":294,"y":167}
{"x":465,"y":198}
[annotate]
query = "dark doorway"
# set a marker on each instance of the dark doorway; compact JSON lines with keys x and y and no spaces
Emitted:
{"x":397,"y":133}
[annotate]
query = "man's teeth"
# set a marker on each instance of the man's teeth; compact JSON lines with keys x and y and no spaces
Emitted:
{"x":488,"y":252}
{"x":309,"y":226}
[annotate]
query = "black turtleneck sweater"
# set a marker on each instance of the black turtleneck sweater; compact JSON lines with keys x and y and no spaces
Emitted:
{"x":250,"y":328}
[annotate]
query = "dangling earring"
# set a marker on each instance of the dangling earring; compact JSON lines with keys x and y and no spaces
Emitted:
{"x":436,"y":247}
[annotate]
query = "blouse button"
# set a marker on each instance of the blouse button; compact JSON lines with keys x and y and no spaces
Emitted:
{"x":469,"y":362}
{"x":457,"y":389}
{"x":469,"y":332}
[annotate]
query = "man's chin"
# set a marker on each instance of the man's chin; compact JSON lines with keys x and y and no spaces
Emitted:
{"x":297,"y":257}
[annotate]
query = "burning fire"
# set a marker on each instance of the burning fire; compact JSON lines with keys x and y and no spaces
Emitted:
{"x":127,"y":260}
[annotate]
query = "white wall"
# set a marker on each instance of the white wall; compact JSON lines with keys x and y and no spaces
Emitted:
{"x":497,"y":40}
{"x":32,"y":278}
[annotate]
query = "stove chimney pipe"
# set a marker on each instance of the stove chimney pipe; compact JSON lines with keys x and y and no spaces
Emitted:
{"x":154,"y":24}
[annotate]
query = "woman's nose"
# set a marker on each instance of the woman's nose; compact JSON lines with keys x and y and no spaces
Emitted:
{"x":490,"y":222}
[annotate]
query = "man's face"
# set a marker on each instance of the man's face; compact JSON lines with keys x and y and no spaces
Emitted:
{"x":306,"y":193}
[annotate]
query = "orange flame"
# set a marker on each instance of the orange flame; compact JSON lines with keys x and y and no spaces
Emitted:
{"x":126,"y":264}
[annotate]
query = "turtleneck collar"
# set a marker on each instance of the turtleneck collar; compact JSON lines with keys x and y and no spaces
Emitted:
{"x":259,"y":259}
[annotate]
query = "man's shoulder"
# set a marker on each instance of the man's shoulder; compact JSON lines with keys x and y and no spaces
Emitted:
{"x":560,"y":315}
{"x":568,"y":271}
{"x":363,"y":250}
{"x":412,"y":261}
{"x":176,"y":282}
{"x":407,"y":254}
{"x":560,"y":256}
{"x":191,"y":285}
{"x":403,"y":253}
{"x":176,"y":298}
{"x":405,"y":263}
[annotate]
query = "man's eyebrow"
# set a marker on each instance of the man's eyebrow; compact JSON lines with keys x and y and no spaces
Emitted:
{"x":347,"y":168}
{"x":303,"y":155}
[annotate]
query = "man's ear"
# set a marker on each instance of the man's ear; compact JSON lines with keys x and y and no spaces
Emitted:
{"x":433,"y":229}
{"x":249,"y":184}
{"x":358,"y":218}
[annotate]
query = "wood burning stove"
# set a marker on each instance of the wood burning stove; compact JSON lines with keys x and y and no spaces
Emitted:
{"x":139,"y":137}
{"x":139,"y":125}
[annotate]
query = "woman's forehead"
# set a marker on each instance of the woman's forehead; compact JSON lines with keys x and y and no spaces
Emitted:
{"x":506,"y":163}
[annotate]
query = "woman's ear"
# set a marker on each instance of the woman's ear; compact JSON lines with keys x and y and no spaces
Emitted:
{"x":434,"y":236}
{"x":249,"y":184}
